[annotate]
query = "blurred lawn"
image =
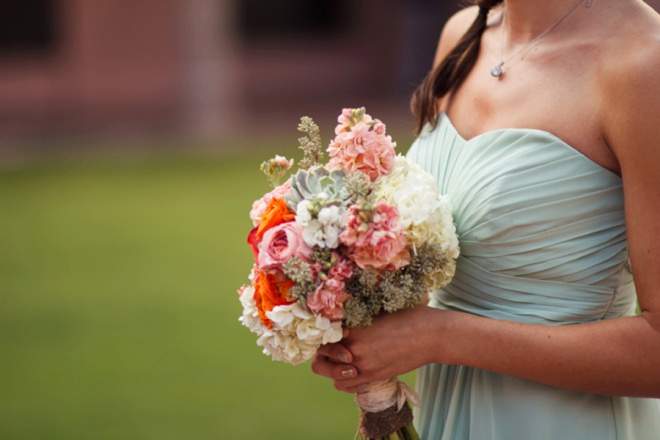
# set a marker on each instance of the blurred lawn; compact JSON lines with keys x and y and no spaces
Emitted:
{"x":118,"y":307}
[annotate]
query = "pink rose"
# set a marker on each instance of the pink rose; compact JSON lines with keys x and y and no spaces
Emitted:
{"x":328,"y":300}
{"x":281,"y":243}
{"x":378,"y":241}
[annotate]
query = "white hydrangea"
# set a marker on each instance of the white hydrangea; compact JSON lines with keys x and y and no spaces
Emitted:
{"x":296,"y":334}
{"x":442,"y":277}
{"x":322,"y":230}
{"x":250,"y":317}
{"x":425,"y":214}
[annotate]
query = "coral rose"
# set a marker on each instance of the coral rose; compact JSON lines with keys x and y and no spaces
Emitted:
{"x":270,"y":292}
{"x":276,"y":213}
{"x":259,"y":206}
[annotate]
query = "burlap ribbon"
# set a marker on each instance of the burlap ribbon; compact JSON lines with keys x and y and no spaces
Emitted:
{"x":385,"y":394}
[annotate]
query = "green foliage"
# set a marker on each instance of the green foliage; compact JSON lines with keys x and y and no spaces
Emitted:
{"x":275,"y":169}
{"x":299,"y":272}
{"x":388,"y":291}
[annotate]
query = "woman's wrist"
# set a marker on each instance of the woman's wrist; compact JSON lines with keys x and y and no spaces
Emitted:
{"x":446,"y":337}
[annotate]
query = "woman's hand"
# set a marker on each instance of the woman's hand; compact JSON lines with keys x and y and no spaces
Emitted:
{"x":395,"y":344}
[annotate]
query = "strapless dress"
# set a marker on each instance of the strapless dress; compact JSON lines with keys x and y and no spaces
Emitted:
{"x":543,"y":241}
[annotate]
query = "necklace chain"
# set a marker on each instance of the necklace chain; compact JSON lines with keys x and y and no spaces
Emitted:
{"x":496,"y":70}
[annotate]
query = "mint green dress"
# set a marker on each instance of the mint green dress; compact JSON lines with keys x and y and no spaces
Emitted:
{"x":543,"y":241}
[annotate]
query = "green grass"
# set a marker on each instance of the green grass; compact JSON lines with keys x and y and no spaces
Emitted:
{"x":118,"y":307}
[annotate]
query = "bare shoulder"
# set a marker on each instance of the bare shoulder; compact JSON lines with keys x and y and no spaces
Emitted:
{"x":629,"y":84}
{"x":630,"y":110}
{"x":453,"y":30}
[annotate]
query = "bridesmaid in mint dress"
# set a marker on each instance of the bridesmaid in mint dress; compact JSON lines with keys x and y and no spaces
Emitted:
{"x":541,"y":121}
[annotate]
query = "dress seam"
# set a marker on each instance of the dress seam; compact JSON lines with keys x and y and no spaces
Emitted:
{"x":617,"y":288}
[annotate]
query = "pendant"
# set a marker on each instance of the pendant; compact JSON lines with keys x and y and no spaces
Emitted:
{"x":496,"y":71}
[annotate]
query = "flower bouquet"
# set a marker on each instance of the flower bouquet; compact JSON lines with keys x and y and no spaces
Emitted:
{"x":339,"y":243}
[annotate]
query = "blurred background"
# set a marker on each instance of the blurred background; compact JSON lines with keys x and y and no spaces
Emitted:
{"x":204,"y":69}
{"x":131,"y":134}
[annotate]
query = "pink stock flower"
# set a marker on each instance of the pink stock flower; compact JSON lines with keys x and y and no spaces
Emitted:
{"x":362,"y":146}
{"x":259,"y":206}
{"x":316,"y":267}
{"x":280,"y":243}
{"x":328,"y":300}
{"x":342,"y":269}
{"x":378,"y":242}
{"x":347,"y":119}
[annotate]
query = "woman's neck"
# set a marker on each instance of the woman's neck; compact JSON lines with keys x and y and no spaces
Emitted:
{"x":526,"y":19}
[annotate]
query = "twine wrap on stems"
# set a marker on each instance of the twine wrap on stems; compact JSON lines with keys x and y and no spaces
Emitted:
{"x":384,"y":394}
{"x":384,"y":409}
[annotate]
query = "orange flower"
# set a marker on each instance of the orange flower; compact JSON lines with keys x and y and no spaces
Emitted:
{"x":268,"y":293}
{"x":276,"y":213}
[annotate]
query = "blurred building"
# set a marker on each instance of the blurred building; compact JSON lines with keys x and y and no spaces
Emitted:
{"x":200,"y":67}
{"x":204,"y":68}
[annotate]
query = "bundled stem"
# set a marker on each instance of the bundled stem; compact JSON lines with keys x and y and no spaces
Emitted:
{"x":386,"y":412}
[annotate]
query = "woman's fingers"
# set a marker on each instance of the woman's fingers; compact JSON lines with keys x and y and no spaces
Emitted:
{"x":334,"y":362}
{"x":343,"y":375}
{"x":326,"y":367}
{"x":336,"y":352}
{"x":353,"y":389}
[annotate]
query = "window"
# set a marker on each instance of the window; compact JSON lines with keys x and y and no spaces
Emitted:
{"x":290,"y":19}
{"x":27,"y":26}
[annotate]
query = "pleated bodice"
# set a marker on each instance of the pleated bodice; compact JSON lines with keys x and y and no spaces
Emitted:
{"x":543,"y":241}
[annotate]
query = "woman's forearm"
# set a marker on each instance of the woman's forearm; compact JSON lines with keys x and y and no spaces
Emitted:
{"x":614,"y":357}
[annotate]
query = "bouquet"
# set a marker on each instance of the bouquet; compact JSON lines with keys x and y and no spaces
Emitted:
{"x":339,"y":243}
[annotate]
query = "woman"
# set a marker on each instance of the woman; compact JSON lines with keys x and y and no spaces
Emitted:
{"x":541,"y":135}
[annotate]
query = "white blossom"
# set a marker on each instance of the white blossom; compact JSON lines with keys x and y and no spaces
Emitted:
{"x":425,"y":214}
{"x":296,"y":334}
{"x":304,"y":212}
{"x":324,"y":230}
{"x":250,"y":317}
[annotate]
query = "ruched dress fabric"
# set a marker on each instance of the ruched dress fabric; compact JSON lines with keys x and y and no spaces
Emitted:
{"x":543,"y":241}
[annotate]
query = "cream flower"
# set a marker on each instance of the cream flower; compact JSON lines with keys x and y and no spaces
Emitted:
{"x":250,"y":317}
{"x":322,"y":231}
{"x":297,"y":334}
{"x":425,"y":213}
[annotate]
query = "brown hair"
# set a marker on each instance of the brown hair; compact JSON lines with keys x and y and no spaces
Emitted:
{"x":452,"y":71}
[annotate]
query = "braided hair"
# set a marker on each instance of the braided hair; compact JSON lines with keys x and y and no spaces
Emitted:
{"x":452,"y":71}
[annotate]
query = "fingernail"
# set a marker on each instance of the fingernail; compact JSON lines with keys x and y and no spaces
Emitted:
{"x":343,"y":357}
{"x":347,"y":372}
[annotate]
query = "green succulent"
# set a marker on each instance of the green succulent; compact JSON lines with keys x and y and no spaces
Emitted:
{"x":318,"y":185}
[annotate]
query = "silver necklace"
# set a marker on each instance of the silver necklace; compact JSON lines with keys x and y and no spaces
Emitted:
{"x":496,"y":70}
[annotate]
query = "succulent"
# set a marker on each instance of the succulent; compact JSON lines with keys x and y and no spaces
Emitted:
{"x":319,"y":185}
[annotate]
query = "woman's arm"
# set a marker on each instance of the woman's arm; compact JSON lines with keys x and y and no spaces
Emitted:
{"x":614,"y":357}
